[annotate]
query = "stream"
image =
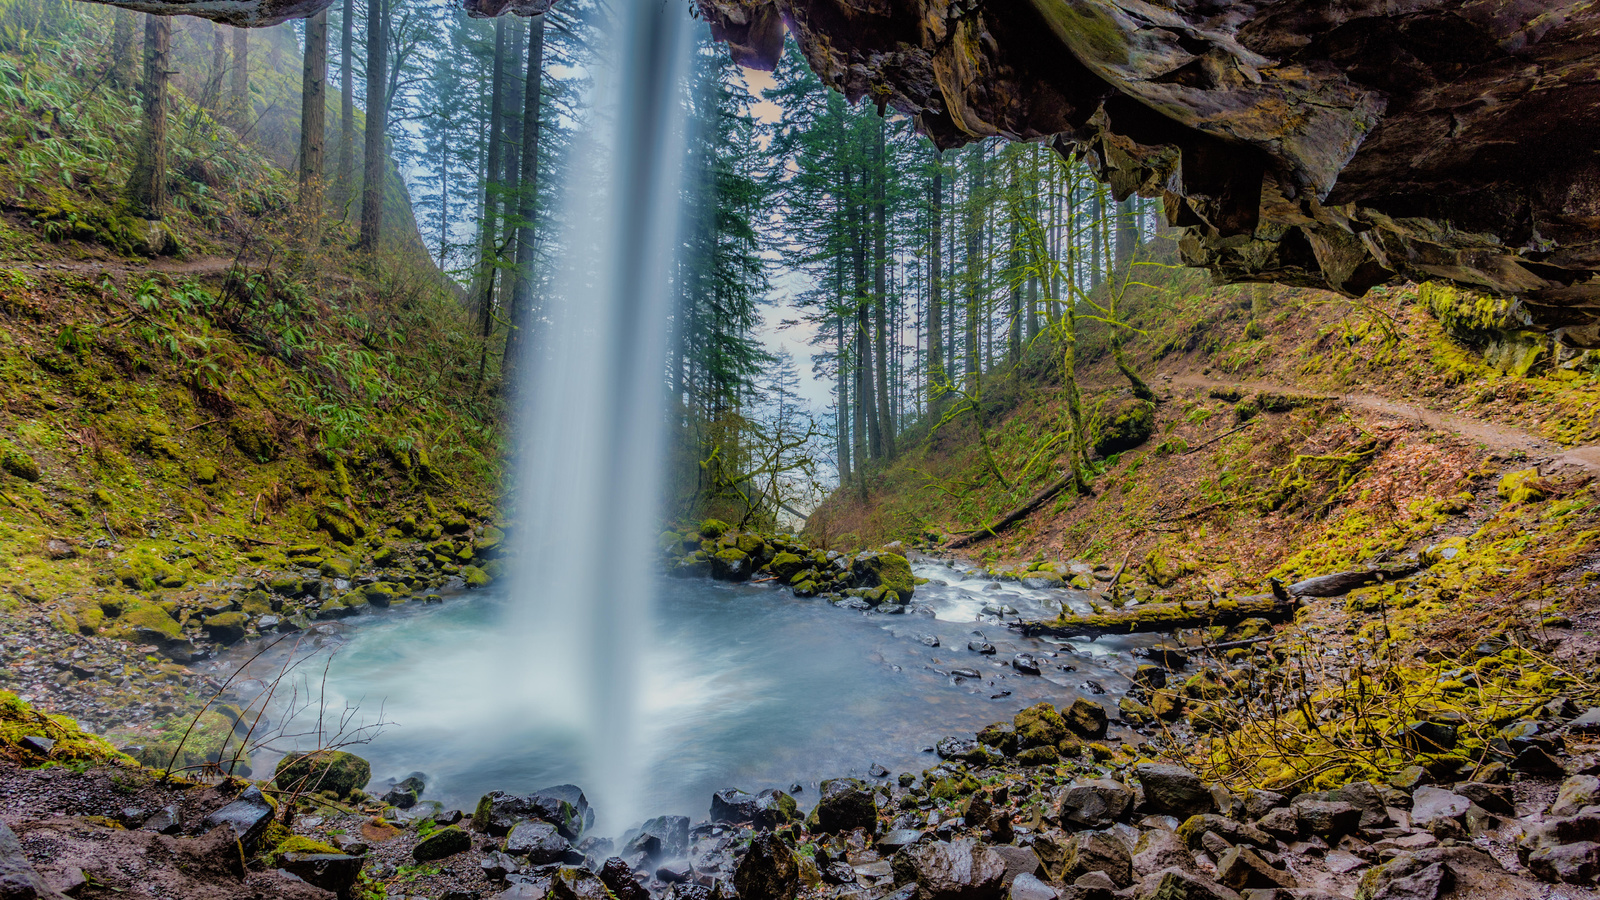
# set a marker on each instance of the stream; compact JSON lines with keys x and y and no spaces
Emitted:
{"x":742,"y":686}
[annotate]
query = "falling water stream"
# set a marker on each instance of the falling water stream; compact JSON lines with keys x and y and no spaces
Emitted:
{"x":585,"y":666}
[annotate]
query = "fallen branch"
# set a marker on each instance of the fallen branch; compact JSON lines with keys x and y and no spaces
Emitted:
{"x":1151,"y":617}
{"x":1015,"y":516}
{"x":1219,"y":437}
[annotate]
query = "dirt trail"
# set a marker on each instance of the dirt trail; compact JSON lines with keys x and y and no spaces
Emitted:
{"x":203,"y":265}
{"x":1501,"y":438}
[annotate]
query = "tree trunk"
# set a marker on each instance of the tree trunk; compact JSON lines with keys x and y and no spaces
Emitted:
{"x":1014,"y":263}
{"x":218,"y":70}
{"x":345,"y":180}
{"x":1127,"y":230}
{"x":974,"y":366}
{"x":489,"y":227}
{"x":868,"y":440}
{"x":147,"y":183}
{"x":373,"y":151}
{"x":880,"y":289}
{"x":313,"y":112}
{"x":528,"y":208}
{"x":842,"y":409}
{"x":122,"y":58}
{"x":240,"y":77}
{"x":936,"y":373}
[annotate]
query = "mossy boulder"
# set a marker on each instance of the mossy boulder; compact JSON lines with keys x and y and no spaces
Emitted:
{"x":257,"y":603}
{"x":324,"y":770}
{"x":1123,"y":423}
{"x":475,"y":577}
{"x":1039,"y":725}
{"x":787,"y":565}
{"x":712,"y":529}
{"x":1522,"y":487}
{"x":15,"y":462}
{"x":1162,"y":569}
{"x":890,"y":571}
{"x":445,"y":842}
{"x":141,"y":616}
{"x":1085,"y":718}
{"x":342,"y":607}
{"x":226,"y":628}
{"x":491,"y":541}
{"x":731,"y":564}
{"x":337,"y":567}
{"x":204,"y":471}
{"x":18,"y":720}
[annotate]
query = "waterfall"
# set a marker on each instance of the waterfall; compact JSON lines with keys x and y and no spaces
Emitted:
{"x":591,"y":411}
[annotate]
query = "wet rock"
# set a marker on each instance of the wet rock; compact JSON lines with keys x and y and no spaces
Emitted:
{"x":1018,"y":861}
{"x":981,"y":647}
{"x":774,"y":809}
{"x":577,"y":884}
{"x":928,"y":640}
{"x":167,"y":820}
{"x":1025,"y":663}
{"x":1097,"y":851}
{"x":335,"y":872}
{"x":37,"y":745}
{"x":324,"y":770}
{"x":1242,"y":868}
{"x":496,"y":865}
{"x":540,"y":842}
{"x":617,"y":875}
{"x":1028,"y":887}
{"x":1086,"y":718}
{"x":847,"y":804}
{"x":441,"y":844}
{"x":1039,"y":725}
{"x":1258,"y":803}
{"x":663,"y":837}
{"x":1195,"y":828}
{"x":769,"y":871}
{"x":498,"y":812}
{"x":1173,"y":790}
{"x":962,"y":749}
{"x":958,"y":870}
{"x":898,"y":838}
{"x":674,"y":872}
{"x":1092,"y":804}
{"x":732,"y":806}
{"x":890,"y":571}
{"x":1327,"y":819}
{"x":17,"y":876}
{"x":247,"y":816}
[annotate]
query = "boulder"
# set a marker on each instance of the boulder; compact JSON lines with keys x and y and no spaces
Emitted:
{"x":1158,"y":850}
{"x":1097,"y":851}
{"x":774,"y":809}
{"x":1242,"y":867}
{"x":1092,"y":804}
{"x":1086,"y":718}
{"x":1429,"y":805}
{"x":226,"y":628}
{"x":498,"y":812}
{"x":1173,"y":790}
{"x":540,"y":842}
{"x":732,"y":806}
{"x":18,"y":879}
{"x":568,"y":883}
{"x":886,"y":570}
{"x":1576,"y":793}
{"x":617,"y":875}
{"x":323,"y":770}
{"x":1327,"y":819}
{"x":1029,"y":887}
{"x":442,"y":843}
{"x":336,"y":872}
{"x":1571,"y":863}
{"x":1124,"y":422}
{"x":247,"y":816}
{"x":663,"y":837}
{"x":847,"y":804}
{"x":769,"y":871}
{"x":1180,"y":884}
{"x":962,"y":869}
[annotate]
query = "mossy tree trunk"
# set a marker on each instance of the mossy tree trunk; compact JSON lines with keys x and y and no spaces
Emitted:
{"x":147,"y":184}
{"x":239,"y":105}
{"x":936,"y":372}
{"x":880,"y":233}
{"x":122,"y":52}
{"x":344,"y":180}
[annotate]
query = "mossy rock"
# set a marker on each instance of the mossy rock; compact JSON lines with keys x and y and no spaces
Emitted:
{"x":72,"y":744}
{"x":890,"y":571}
{"x":1522,"y":487}
{"x":475,"y":577}
{"x":491,"y":540}
{"x":337,"y":567}
{"x":445,"y":842}
{"x":1122,"y":424}
{"x":384,"y":556}
{"x":18,"y":463}
{"x":324,"y":770}
{"x":711,"y":529}
{"x":381,"y":594}
{"x":787,"y":565}
{"x":141,"y":615}
{"x":226,"y":628}
{"x":751,"y":544}
{"x":1039,"y":725}
{"x":204,"y":471}
{"x":1162,"y":570}
{"x":258,"y":603}
{"x":299,"y":843}
{"x":342,"y":607}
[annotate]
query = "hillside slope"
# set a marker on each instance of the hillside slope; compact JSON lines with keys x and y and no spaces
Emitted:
{"x":206,"y":435}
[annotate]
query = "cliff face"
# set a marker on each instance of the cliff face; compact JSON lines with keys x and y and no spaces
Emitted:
{"x":1296,"y":141}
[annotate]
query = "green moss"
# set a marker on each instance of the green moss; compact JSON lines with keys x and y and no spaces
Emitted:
{"x":475,"y":577}
{"x":326,"y":770}
{"x":19,"y":720}
{"x":140,"y":614}
{"x":1522,"y":487}
{"x":18,"y":463}
{"x":1122,"y":424}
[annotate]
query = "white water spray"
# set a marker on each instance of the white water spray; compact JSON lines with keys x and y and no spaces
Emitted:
{"x":590,"y":426}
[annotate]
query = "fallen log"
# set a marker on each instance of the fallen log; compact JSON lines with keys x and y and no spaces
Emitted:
{"x":1154,"y":617}
{"x":1341,"y":583}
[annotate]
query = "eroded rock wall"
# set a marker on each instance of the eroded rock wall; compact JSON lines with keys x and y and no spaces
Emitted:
{"x":1315,"y":144}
